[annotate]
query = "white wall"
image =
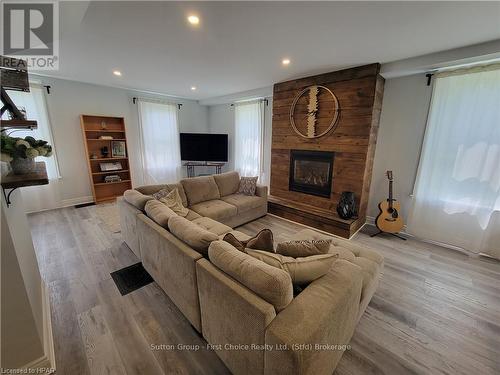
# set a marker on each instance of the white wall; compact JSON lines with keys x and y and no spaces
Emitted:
{"x":402,"y":125}
{"x":221,"y":120}
{"x":68,"y":99}
{"x":23,"y":333}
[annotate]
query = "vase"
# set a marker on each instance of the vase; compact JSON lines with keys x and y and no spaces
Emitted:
{"x":23,"y":166}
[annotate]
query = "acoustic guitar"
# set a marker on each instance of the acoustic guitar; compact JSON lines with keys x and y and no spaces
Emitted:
{"x":389,"y":220}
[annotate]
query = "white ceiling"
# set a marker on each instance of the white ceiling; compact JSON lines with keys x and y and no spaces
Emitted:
{"x":239,"y":46}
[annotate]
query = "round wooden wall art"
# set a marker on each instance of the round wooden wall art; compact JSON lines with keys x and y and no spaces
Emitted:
{"x":314,"y":112}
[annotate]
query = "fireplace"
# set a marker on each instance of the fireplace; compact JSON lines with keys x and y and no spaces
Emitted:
{"x":311,"y":172}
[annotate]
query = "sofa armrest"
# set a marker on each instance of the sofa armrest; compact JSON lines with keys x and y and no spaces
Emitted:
{"x":311,"y":334}
{"x":261,"y":191}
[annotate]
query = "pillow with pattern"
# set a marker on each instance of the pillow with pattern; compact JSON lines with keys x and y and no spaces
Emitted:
{"x":172,"y":200}
{"x":248,"y":185}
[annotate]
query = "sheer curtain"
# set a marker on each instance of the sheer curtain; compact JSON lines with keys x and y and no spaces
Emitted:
{"x":37,"y":198}
{"x":161,"y":158}
{"x":457,"y":192}
{"x":249,"y":133}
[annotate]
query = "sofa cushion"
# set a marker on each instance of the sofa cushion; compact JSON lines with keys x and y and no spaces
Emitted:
{"x":228,"y":183}
{"x":248,"y":185}
{"x":158,"y":212}
{"x":262,"y":241}
{"x":215,"y":209}
{"x":244,"y":202}
{"x":302,"y":270}
{"x":136,"y":198}
{"x":190,"y":233}
{"x":268,"y":282}
{"x":151,"y":189}
{"x":346,"y":249}
{"x":192,"y":215}
{"x":212,"y":226}
{"x":200,"y":189}
{"x":303,"y":248}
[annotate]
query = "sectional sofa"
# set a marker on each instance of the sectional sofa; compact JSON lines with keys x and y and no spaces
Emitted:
{"x":250,"y":332}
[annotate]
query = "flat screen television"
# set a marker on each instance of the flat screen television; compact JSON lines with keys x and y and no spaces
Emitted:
{"x":203,"y":147}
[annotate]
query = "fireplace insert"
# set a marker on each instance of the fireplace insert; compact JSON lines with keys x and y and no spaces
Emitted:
{"x":311,"y":172}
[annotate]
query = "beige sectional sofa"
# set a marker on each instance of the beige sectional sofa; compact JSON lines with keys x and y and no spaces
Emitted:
{"x":249,"y":331}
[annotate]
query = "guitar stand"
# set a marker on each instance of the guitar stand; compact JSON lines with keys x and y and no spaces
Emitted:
{"x":393,"y":234}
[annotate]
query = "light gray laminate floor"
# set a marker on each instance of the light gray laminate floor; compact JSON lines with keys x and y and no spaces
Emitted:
{"x":436,"y":311}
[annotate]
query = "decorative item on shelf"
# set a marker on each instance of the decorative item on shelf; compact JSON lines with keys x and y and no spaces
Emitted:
{"x":304,"y":119}
{"x":93,"y":156}
{"x":347,"y":205}
{"x":104,"y":126}
{"x":106,"y":137}
{"x":113,"y":166}
{"x":104,"y":151}
{"x":21,"y":152}
{"x":112,"y":178}
{"x":118,"y":149}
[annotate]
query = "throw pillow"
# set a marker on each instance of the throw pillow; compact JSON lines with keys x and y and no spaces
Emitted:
{"x":172,"y":200}
{"x":262,"y":241}
{"x":248,"y":185}
{"x":304,"y":248}
{"x":302,"y":270}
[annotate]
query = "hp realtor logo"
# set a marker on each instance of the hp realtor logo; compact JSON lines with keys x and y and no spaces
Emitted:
{"x":30,"y":32}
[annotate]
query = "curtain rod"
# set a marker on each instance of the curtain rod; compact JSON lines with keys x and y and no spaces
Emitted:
{"x":265,"y":100}
{"x":155,"y":100}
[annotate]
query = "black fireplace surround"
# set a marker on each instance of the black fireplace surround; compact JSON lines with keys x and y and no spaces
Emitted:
{"x":311,"y":172}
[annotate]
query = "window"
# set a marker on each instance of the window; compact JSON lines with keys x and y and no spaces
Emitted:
{"x":249,"y":130}
{"x":36,"y":109}
{"x":457,"y":192}
{"x":160,"y":142}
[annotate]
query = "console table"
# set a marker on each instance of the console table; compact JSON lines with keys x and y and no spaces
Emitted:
{"x":190,"y":167}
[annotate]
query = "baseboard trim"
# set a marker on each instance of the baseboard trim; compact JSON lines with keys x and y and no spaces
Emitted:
{"x":67,"y":203}
{"x":48,"y":337}
{"x":370,"y":220}
{"x":39,"y":363}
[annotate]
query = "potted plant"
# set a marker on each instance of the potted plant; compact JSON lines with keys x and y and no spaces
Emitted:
{"x":21,"y":152}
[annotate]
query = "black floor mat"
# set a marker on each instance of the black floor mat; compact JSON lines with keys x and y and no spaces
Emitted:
{"x":131,"y":278}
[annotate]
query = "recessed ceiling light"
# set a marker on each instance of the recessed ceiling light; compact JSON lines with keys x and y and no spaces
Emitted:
{"x":193,"y":88}
{"x":285,"y":61}
{"x":117,"y":73}
{"x":193,"y":20}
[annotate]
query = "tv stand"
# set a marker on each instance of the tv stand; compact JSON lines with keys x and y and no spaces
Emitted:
{"x":190,"y":166}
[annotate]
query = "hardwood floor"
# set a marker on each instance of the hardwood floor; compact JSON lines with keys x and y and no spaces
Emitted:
{"x":436,"y":311}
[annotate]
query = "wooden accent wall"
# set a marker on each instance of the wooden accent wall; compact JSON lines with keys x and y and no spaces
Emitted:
{"x":359,"y":91}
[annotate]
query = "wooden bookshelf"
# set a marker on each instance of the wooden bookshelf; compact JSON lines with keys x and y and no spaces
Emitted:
{"x":93,"y":127}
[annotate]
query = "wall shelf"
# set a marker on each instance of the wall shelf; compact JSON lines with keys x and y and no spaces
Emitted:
{"x":13,"y":181}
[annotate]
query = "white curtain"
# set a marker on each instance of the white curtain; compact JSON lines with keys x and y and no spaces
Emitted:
{"x":457,"y":192}
{"x":37,"y":198}
{"x":161,"y":158}
{"x":249,"y":133}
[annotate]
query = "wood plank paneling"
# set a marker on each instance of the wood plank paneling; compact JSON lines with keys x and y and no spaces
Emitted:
{"x":359,"y":91}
